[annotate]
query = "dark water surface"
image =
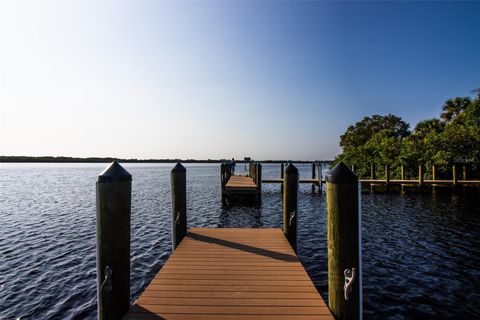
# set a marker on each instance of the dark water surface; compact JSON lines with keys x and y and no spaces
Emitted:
{"x":421,"y":253}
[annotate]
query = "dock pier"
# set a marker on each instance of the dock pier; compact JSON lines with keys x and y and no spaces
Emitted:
{"x":236,"y":187}
{"x":423,"y":181}
{"x":229,"y":273}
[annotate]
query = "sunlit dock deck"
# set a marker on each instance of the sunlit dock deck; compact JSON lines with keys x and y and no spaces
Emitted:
{"x":231,"y":274}
{"x":241,"y":183}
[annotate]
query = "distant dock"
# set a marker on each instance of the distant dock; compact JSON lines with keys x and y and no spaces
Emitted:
{"x":420,"y":183}
{"x":249,"y":187}
{"x":235,"y":185}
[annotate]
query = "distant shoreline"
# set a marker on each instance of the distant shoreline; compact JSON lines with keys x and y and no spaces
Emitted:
{"x":48,"y":159}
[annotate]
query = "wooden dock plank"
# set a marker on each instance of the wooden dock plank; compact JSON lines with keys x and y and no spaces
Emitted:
{"x":153,"y":316}
{"x":241,"y":183}
{"x":231,"y":274}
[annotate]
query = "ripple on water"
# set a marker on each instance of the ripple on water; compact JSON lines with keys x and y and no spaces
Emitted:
{"x":421,"y":253}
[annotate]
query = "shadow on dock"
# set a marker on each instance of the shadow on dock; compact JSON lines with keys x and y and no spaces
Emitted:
{"x":243,"y":247}
{"x":139,"y":312}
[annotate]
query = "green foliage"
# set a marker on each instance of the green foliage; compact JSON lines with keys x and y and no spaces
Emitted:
{"x":453,"y":107}
{"x":386,"y":140}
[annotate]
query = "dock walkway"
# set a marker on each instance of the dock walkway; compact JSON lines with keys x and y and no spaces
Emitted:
{"x":231,"y":274}
{"x":240,"y":183}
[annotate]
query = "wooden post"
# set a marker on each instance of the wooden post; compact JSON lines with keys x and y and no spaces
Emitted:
{"x":290,"y":204}
{"x":420,"y":175}
{"x":114,"y":194}
{"x":223,"y":181}
{"x":254,"y":172}
{"x":344,"y":242}
{"x":387,"y":177}
{"x":373,"y":176}
{"x":402,"y":172}
{"x":319,"y":168}
{"x":282,"y":169}
{"x":464,"y":172}
{"x":313,"y":176}
{"x":178,"y":177}
{"x":259,"y":177}
{"x":454,"y":175}
{"x":434,"y":177}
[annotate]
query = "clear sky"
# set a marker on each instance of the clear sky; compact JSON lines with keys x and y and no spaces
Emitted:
{"x":221,"y":79}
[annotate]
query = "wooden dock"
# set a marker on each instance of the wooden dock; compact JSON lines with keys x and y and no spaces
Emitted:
{"x":241,"y":184}
{"x":446,"y":183}
{"x":235,"y":187}
{"x":231,"y":274}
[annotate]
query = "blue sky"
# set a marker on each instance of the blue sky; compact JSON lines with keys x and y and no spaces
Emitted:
{"x":269,"y":80}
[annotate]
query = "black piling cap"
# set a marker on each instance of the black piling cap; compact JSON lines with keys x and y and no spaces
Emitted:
{"x":114,"y":173}
{"x":341,"y":174}
{"x":179,"y":168}
{"x":290,"y":168}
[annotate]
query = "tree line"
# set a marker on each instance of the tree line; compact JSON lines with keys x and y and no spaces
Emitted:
{"x":453,"y":138}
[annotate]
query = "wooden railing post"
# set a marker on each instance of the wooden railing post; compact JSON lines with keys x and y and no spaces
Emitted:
{"x":420,"y":175}
{"x":290,"y":204}
{"x":373,"y":176}
{"x":344,"y":243}
{"x":114,"y":196}
{"x":253,"y":171}
{"x":223,"y":181}
{"x":259,"y":177}
{"x":454,"y":175}
{"x":282,"y":169}
{"x":178,"y":177}
{"x":387,"y":177}
{"x":434,"y":177}
{"x":319,"y":168}
{"x":313,"y":176}
{"x":402,"y":172}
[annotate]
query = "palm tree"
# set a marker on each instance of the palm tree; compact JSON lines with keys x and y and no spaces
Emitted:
{"x":477,"y":91}
{"x":453,"y":107}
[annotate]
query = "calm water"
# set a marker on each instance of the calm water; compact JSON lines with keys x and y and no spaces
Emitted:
{"x":421,"y":253}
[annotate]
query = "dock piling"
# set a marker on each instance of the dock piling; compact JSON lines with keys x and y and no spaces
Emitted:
{"x":178,"y":177}
{"x":114,"y":194}
{"x":319,"y":168}
{"x":282,"y":168}
{"x":225,"y":174}
{"x":454,"y":175}
{"x":343,"y":235}
{"x":387,"y":177}
{"x":259,"y":177}
{"x":290,"y":204}
{"x":313,"y":176}
{"x":420,"y":176}
{"x":373,"y":176}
